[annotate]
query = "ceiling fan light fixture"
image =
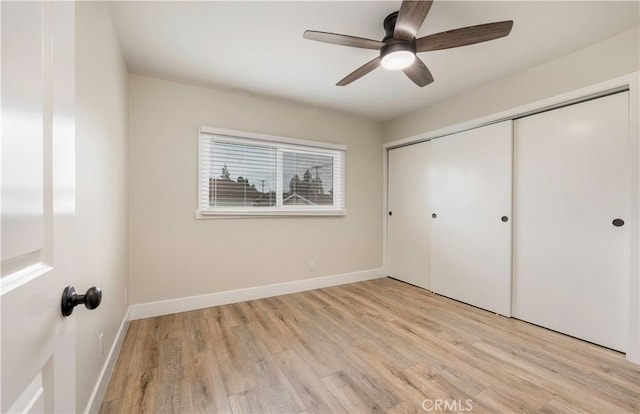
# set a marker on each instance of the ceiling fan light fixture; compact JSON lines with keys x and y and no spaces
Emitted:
{"x":399,"y":46}
{"x":400,"y":59}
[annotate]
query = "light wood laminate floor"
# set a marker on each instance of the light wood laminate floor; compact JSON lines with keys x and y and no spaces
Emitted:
{"x":374,"y":346}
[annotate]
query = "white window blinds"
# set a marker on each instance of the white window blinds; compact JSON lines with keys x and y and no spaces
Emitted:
{"x":251,"y":174}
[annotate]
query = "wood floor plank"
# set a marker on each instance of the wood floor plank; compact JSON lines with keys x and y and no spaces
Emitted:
{"x":138,"y":395}
{"x":336,"y":301}
{"x":501,"y":403}
{"x":146,"y":347}
{"x":208,"y":393}
{"x":249,"y":401}
{"x":251,"y":347}
{"x":557,"y":405}
{"x":396,"y":380}
{"x":314,"y":298}
{"x":234,"y":314}
{"x":301,"y":308}
{"x":369,"y":381}
{"x":308,"y":387}
{"x":197,"y":333}
{"x":373,"y":346}
{"x":339,"y":333}
{"x":309,"y":341}
{"x":350,"y":395}
{"x":390,"y":341}
{"x":315,"y":348}
{"x":272,"y":385}
{"x":275,"y":389}
{"x":269,"y":330}
{"x":110,"y":407}
{"x":363,"y":335}
{"x":173,"y":385}
{"x":406,"y":407}
{"x":115,"y":389}
{"x":236,"y":374}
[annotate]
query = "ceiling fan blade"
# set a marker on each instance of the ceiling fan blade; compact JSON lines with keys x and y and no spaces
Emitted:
{"x":464,"y":36}
{"x":410,"y":18}
{"x":419,"y":73}
{"x":360,"y":72}
{"x":343,"y":40}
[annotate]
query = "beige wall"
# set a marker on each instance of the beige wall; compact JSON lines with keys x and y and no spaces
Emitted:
{"x":173,"y":255}
{"x":603,"y":61}
{"x":102,"y":189}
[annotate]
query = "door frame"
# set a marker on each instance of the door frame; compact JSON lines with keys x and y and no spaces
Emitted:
{"x":630,"y":82}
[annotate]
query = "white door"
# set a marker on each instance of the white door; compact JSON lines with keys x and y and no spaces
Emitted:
{"x":572,"y":182}
{"x":38,"y":178}
{"x":408,"y":215}
{"x":471,"y":232}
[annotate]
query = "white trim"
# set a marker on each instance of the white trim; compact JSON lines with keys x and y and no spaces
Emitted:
{"x":272,"y":138}
{"x":385,"y":210}
{"x":26,"y":275}
{"x":166,"y":307}
{"x":97,"y":395}
{"x":633,"y":337}
{"x":519,"y":111}
{"x":208,"y":214}
{"x":285,"y":147}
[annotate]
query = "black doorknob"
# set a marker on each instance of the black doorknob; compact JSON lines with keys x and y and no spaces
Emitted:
{"x":504,"y":219}
{"x":618,"y":222}
{"x":434,"y":215}
{"x":70,"y":299}
{"x":391,"y":213}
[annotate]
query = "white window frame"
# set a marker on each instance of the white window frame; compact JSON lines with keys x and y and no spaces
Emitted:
{"x":282,"y":145}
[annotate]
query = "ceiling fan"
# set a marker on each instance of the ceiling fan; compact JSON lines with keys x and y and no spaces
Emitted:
{"x":399,"y":46}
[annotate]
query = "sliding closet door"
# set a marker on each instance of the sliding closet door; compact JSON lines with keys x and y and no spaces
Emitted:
{"x":408,"y":219}
{"x":471,"y":226}
{"x":572,"y":195}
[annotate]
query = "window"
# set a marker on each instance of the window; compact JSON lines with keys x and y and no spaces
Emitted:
{"x":243,"y":173}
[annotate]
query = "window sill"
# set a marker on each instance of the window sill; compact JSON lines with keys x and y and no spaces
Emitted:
{"x":208,"y":215}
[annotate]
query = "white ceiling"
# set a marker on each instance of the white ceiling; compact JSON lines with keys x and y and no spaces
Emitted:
{"x":258,"y":48}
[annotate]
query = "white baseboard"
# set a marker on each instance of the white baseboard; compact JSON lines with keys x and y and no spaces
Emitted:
{"x":93,"y":406}
{"x":166,"y":307}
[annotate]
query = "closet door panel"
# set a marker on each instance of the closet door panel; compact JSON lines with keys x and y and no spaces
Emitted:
{"x":470,"y":193}
{"x":572,"y":181}
{"x":408,"y":202}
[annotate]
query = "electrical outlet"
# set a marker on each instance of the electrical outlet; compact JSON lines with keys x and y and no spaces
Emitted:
{"x":100,"y":345}
{"x":126,"y":296}
{"x":312,"y":266}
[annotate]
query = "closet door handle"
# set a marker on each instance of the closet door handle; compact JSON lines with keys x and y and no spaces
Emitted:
{"x":618,"y":222}
{"x":434,"y":215}
{"x":504,"y":219}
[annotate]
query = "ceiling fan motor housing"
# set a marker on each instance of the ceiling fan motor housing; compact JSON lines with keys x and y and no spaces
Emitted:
{"x":396,"y":45}
{"x":389,"y":25}
{"x":393,"y":44}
